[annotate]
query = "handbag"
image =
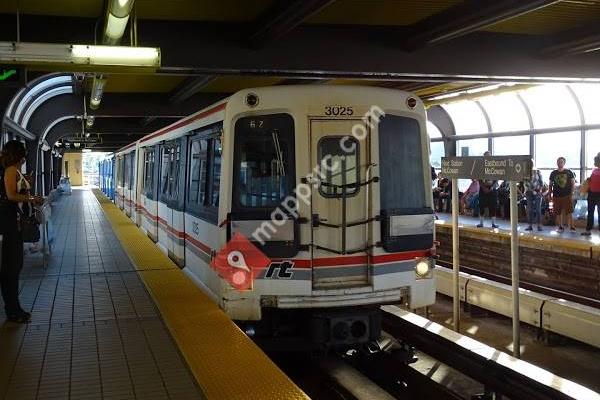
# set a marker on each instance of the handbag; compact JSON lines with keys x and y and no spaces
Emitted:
{"x":30,"y":228}
{"x":585,"y":186}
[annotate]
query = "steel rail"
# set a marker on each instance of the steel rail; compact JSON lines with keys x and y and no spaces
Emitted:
{"x":497,"y":371}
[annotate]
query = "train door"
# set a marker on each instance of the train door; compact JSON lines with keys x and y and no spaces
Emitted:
{"x":120,"y":189}
{"x":149,"y":194}
{"x":339,"y":205}
{"x":177,"y":249}
{"x":171,"y":234}
{"x":164,"y":215}
{"x":128,"y":183}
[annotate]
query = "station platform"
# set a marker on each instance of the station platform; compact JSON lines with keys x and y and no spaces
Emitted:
{"x":567,"y":263}
{"x":114,"y":318}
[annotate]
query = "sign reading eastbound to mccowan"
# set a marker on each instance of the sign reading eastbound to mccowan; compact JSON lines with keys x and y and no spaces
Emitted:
{"x":508,"y":168}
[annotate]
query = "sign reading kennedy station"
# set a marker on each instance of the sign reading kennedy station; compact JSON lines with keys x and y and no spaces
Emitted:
{"x":509,"y":168}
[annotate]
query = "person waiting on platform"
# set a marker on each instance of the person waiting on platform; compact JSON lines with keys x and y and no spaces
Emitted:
{"x":488,"y":198}
{"x":443,"y":194}
{"x":593,"y":196}
{"x":11,"y":183}
{"x":534,"y":191}
{"x":562,"y":184}
{"x":469,"y":195}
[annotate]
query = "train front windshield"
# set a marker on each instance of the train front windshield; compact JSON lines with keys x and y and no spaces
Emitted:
{"x":264,"y":166}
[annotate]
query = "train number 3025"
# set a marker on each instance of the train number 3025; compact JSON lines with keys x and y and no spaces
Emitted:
{"x":338,"y":110}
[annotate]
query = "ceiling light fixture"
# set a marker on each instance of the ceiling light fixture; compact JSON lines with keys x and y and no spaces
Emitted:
{"x":65,"y":54}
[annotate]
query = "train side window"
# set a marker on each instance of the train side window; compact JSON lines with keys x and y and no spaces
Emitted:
{"x":126,"y":171}
{"x":204,"y":173}
{"x":198,"y":173}
{"x":217,"y":150}
{"x":338,"y":167}
{"x":131,"y":170}
{"x":149,"y":171}
{"x":165,"y":167}
{"x":175,"y":163}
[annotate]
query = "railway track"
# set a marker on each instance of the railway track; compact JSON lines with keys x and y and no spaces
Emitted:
{"x":382,"y":370}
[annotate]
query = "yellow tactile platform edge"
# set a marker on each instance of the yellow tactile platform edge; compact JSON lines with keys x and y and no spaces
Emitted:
{"x":529,"y":238}
{"x":226,"y":364}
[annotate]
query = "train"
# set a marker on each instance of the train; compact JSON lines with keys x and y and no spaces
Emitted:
{"x":329,"y":186}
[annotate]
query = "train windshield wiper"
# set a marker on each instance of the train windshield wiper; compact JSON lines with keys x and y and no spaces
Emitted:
{"x":279,"y":153}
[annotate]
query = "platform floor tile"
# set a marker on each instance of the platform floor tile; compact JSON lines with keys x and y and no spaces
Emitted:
{"x":95,"y":331}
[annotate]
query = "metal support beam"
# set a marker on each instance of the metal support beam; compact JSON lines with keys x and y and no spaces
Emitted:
{"x":581,"y":40}
{"x":283,"y":17}
{"x":467,"y":17}
{"x":190,"y":87}
{"x":12,"y":126}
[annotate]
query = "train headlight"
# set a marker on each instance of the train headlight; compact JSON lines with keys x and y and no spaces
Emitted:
{"x":423,"y":268}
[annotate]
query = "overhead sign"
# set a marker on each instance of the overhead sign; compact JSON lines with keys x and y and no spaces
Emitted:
{"x":82,"y":140}
{"x":507,"y":168}
{"x":9,"y":74}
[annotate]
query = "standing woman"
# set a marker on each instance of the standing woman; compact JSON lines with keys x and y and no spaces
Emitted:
{"x":593,"y":198}
{"x":11,"y":183}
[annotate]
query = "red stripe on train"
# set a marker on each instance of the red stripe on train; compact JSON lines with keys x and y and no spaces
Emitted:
{"x":326,"y":262}
{"x":184,"y":122}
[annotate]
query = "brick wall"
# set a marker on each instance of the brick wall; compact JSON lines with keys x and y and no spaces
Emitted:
{"x":569,"y":266}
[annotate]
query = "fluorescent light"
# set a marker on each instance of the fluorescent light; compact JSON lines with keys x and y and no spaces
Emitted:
{"x":116,"y":55}
{"x":96,"y":95}
{"x":86,"y":151}
{"x":47,"y":53}
{"x":115,"y":26}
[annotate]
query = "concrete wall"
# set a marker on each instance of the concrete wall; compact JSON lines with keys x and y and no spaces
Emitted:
{"x":72,"y":168}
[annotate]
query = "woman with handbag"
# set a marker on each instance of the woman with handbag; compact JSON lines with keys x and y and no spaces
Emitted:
{"x":12,"y":182}
{"x":592,"y":187}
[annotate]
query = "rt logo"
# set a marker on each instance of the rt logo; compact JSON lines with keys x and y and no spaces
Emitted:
{"x":239,"y":262}
{"x":284,"y":270}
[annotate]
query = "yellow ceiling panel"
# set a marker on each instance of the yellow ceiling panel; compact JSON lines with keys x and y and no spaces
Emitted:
{"x":231,"y":84}
{"x":380,"y":12}
{"x":558,"y":17}
{"x":142,"y":83}
{"x":67,"y":8}
{"x":201,"y":10}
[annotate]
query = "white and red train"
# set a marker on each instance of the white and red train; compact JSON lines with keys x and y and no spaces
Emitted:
{"x":362,"y":237}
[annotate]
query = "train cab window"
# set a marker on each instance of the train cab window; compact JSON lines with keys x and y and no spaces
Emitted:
{"x":264,"y":162}
{"x":400,"y":163}
{"x":338,"y":167}
{"x":198,"y":173}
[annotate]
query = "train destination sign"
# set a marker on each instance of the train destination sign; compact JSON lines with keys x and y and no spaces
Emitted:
{"x":509,"y":168}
